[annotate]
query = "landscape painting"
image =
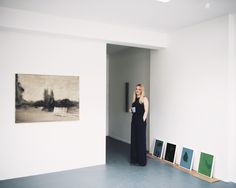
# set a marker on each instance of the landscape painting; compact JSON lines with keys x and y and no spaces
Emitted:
{"x":206,"y":164}
{"x":158,"y":148}
{"x":186,"y":160}
{"x":170,"y":152}
{"x":46,"y":98}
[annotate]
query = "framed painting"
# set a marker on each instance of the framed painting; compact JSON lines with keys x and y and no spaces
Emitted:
{"x":170,"y":152}
{"x":126,"y":96}
{"x":46,"y":98}
{"x":158,"y":148}
{"x":206,"y":164}
{"x":186,"y":160}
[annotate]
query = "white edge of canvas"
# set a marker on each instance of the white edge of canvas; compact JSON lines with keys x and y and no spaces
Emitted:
{"x":162,"y":150}
{"x":191,"y":166}
{"x":213,"y":164}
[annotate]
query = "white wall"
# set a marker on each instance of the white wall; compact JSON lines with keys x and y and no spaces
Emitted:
{"x":189,"y":96}
{"x":36,"y":148}
{"x":129,"y":65}
{"x":232,"y":98}
{"x":43,"y":44}
{"x":27,"y":20}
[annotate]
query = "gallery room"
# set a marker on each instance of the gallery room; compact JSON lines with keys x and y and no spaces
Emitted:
{"x":118,"y":93}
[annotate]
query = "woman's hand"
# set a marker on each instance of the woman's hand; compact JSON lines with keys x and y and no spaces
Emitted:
{"x":130,"y":110}
{"x":144,"y":119}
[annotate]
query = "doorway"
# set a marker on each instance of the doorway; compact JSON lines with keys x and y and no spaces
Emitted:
{"x":126,"y":66}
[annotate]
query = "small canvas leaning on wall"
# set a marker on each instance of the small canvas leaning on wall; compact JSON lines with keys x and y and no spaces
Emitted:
{"x":158,"y":148}
{"x":206,"y":164}
{"x":46,"y":98}
{"x":186,"y":160}
{"x":126,"y":96}
{"x":170,"y":152}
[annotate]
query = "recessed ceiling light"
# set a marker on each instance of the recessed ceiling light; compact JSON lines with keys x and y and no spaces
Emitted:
{"x":207,"y":5}
{"x":163,"y":1}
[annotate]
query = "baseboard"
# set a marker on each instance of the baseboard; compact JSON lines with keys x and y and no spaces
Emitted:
{"x":191,"y":172}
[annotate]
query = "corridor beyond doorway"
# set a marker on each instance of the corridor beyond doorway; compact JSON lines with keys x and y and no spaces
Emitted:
{"x":125,"y":65}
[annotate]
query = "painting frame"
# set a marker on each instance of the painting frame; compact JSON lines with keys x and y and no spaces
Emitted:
{"x":127,"y":97}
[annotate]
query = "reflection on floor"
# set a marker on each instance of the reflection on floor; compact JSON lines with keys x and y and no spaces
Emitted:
{"x":118,"y":173}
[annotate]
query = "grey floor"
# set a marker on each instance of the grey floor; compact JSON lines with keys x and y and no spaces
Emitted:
{"x":117,"y":173}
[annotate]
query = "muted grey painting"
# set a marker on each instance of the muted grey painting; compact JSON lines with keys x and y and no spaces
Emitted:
{"x":43,"y":98}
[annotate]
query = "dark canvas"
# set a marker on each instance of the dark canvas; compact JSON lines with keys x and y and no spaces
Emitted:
{"x":170,"y":152}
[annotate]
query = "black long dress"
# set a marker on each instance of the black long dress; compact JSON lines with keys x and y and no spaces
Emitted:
{"x":138,"y":135}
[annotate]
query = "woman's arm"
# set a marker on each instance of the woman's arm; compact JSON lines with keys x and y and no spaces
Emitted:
{"x":146,"y":106}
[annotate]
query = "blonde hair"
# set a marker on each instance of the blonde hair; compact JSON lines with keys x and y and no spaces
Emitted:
{"x":142,"y":93}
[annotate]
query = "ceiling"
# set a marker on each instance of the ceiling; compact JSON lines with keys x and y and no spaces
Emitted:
{"x":141,"y":14}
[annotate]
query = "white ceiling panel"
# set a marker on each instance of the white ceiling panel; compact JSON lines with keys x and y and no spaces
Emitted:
{"x":144,"y":14}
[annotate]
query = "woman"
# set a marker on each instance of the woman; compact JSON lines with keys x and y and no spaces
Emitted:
{"x":138,"y":126}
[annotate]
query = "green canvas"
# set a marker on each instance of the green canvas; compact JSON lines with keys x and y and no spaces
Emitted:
{"x":205,"y":164}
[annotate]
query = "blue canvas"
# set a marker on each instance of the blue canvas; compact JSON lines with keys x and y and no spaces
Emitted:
{"x":186,"y":158}
{"x":158,"y":148}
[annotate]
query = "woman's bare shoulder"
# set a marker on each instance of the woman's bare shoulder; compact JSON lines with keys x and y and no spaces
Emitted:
{"x":145,"y":99}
